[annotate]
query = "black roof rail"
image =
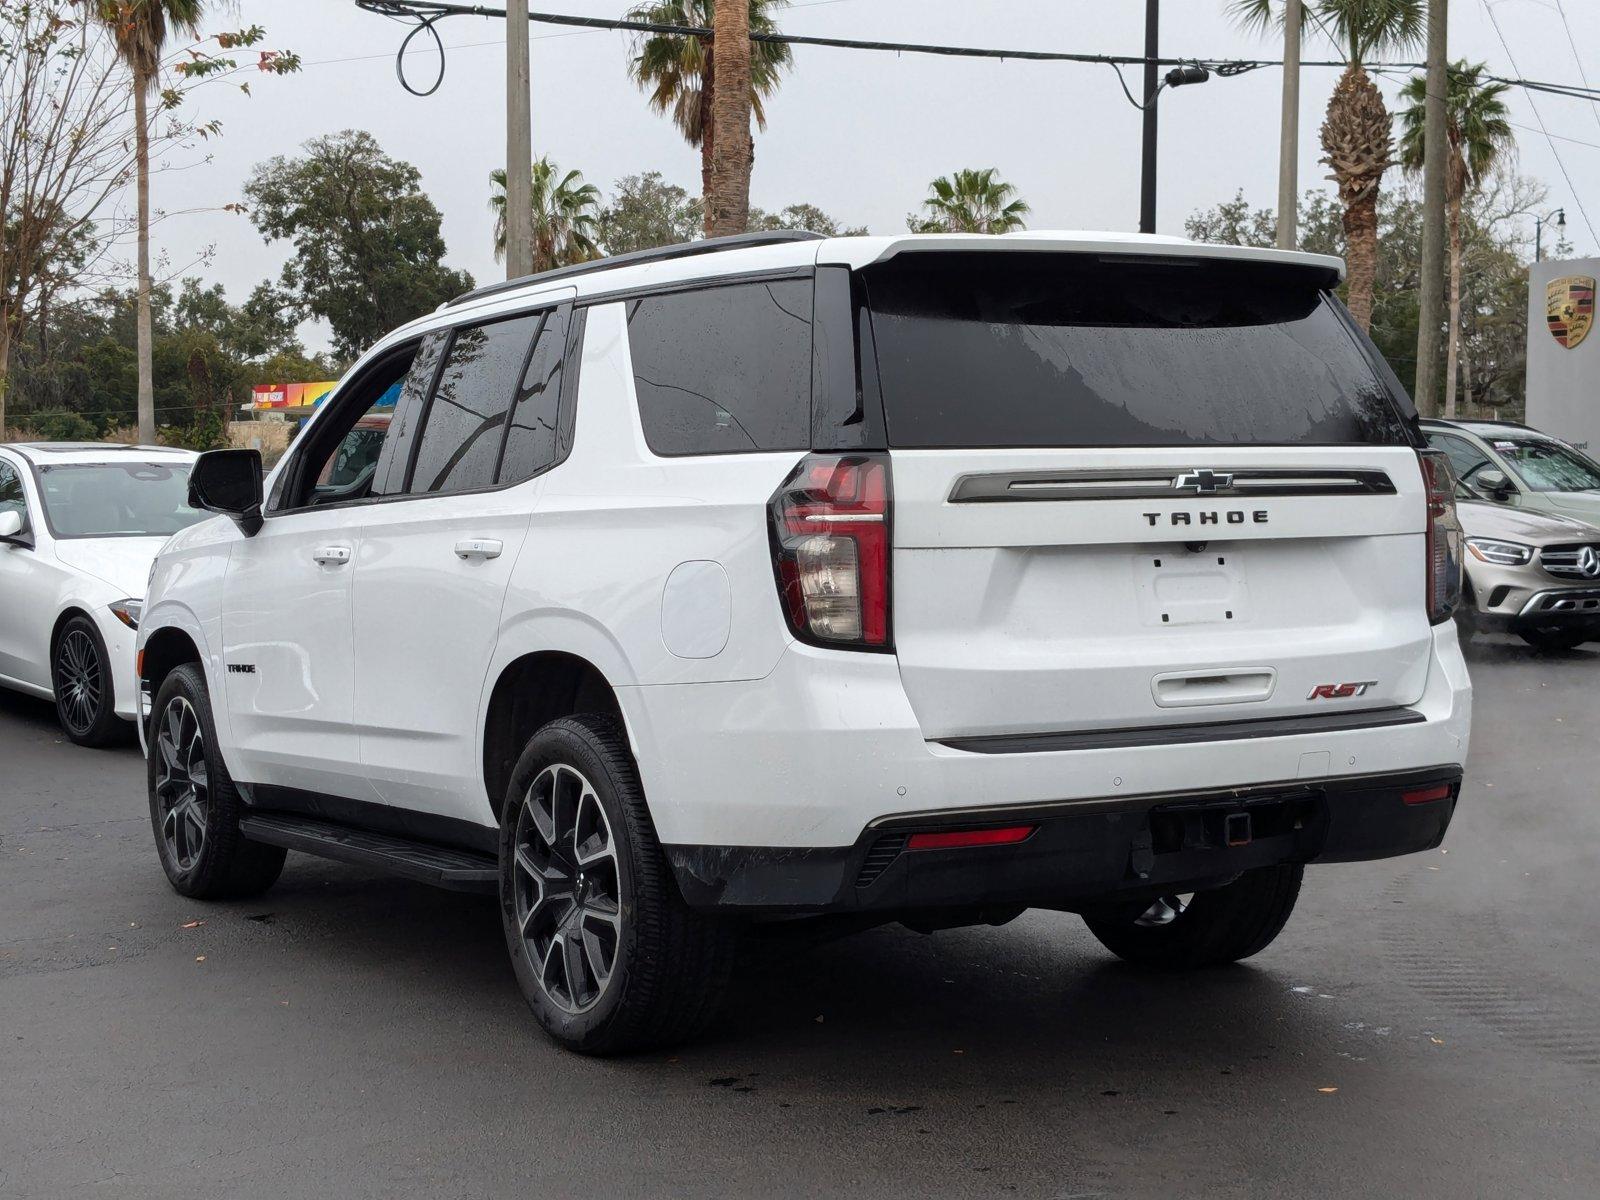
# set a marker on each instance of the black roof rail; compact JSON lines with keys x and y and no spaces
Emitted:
{"x":737,"y":241}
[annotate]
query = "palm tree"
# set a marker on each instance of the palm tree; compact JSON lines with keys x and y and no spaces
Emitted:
{"x":1357,"y":137}
{"x":677,"y":70}
{"x":970,"y":201}
{"x":140,"y":28}
{"x":1479,"y":133}
{"x":566,"y":216}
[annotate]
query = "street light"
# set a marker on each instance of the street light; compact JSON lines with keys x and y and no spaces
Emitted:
{"x":1539,"y":223}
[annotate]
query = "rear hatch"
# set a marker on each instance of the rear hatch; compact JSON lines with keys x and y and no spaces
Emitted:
{"x":1141,"y":492}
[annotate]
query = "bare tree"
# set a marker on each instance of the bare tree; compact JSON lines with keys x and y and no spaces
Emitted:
{"x":69,"y":146}
{"x":64,"y":120}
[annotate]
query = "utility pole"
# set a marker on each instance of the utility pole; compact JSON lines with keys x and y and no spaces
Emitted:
{"x":1147,"y":178}
{"x":1434,"y":151}
{"x":519,"y":143}
{"x":1289,"y":135}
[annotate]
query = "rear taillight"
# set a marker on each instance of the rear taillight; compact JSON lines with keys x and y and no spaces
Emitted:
{"x":1444,"y":536}
{"x":830,"y":548}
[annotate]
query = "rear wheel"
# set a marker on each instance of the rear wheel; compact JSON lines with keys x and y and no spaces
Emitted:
{"x":194,"y":807}
{"x":1203,"y":929}
{"x":80,"y":677}
{"x":1556,"y":638}
{"x":607,"y":954}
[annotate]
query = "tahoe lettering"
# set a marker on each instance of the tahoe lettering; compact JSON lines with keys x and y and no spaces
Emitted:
{"x":1233,"y":516}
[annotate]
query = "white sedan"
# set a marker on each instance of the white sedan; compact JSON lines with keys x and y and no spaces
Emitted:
{"x":80,"y":525}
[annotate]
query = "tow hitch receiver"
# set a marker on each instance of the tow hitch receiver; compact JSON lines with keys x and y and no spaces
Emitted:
{"x":1236,"y":829}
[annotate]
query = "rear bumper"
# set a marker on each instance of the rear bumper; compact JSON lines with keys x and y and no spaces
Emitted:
{"x":1082,"y":852}
{"x":827,"y":746}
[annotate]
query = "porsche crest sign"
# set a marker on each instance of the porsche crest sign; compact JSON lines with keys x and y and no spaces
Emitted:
{"x":1569,"y":308}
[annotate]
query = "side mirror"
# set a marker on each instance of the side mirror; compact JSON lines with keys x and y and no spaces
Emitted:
{"x":229,"y":482}
{"x":11,"y":530}
{"x":1494,"y":483}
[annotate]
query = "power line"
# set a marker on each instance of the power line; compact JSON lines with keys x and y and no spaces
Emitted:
{"x":1577,"y":198}
{"x":426,"y":13}
{"x":1594,"y":106}
{"x":538,"y":37}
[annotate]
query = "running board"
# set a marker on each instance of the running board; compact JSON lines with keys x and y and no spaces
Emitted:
{"x":455,"y":870}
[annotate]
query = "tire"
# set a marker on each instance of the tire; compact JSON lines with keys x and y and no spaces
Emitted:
{"x":194,"y":807}
{"x":1556,"y":638}
{"x":608,"y":956}
{"x":80,"y":678}
{"x":1215,"y":927}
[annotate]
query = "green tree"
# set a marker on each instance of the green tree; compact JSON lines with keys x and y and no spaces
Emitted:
{"x":970,"y":201}
{"x":678,"y":71}
{"x":1479,"y":133}
{"x":1494,"y":276}
{"x":566,"y":216}
{"x":647,"y":212}
{"x":803,"y":216}
{"x":1357,"y":139}
{"x":367,"y":244}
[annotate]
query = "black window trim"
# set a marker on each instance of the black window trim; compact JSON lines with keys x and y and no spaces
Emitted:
{"x":572,"y":351}
{"x":807,"y":272}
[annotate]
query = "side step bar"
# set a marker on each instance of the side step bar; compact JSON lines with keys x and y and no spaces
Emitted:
{"x":455,"y":870}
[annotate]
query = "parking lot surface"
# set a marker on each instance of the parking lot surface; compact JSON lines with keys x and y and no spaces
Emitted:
{"x":1426,"y":1026}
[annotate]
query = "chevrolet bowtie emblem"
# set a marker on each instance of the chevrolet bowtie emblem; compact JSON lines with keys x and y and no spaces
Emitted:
{"x":1204,"y":481}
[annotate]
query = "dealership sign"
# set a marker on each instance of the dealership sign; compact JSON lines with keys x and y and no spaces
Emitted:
{"x":290,"y":395}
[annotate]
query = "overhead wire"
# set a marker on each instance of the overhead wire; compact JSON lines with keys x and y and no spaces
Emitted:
{"x":1577,"y":198}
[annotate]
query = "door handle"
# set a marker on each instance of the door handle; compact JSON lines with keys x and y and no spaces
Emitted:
{"x":479,"y":548}
{"x":331,"y":556}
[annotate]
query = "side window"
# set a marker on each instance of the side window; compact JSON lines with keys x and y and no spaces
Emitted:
{"x":724,"y":370}
{"x":11,"y":497}
{"x":343,"y":455}
{"x":535,"y":418}
{"x":465,"y":424}
{"x":408,"y":412}
{"x":1463,"y":455}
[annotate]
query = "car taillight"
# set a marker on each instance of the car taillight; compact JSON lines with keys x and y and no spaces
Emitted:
{"x":830,"y":549}
{"x":1444,"y":536}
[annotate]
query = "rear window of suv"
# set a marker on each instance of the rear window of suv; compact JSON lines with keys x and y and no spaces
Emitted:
{"x":1018,"y":349}
{"x":724,"y":370}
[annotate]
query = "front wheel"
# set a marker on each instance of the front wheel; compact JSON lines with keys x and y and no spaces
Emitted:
{"x":194,"y":807}
{"x":1205,"y":929}
{"x":607,"y":954}
{"x":80,"y":677}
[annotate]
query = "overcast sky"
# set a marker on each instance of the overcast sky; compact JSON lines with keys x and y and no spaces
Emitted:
{"x":858,"y":134}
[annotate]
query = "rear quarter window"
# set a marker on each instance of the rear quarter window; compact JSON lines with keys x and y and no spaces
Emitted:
{"x":1014,"y":349}
{"x":724,"y":370}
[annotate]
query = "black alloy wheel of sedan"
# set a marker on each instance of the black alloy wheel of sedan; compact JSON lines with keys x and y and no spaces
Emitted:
{"x":80,"y":677}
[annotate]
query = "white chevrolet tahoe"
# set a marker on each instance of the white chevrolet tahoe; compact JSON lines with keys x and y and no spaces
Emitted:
{"x":919,"y":578}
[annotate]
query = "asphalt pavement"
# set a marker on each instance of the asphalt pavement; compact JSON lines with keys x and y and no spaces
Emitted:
{"x":1427,"y":1026}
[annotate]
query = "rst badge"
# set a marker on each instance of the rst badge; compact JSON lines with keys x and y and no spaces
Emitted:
{"x":1340,"y":691}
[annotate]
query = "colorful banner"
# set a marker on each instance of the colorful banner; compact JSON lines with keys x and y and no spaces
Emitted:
{"x":290,"y":395}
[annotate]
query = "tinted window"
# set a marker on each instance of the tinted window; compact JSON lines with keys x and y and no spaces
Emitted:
{"x":401,"y":434}
{"x":11,"y":497}
{"x":465,"y":425}
{"x":1463,"y":455}
{"x":724,"y":370}
{"x":117,"y":500}
{"x":1063,"y":350}
{"x":535,"y":418}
